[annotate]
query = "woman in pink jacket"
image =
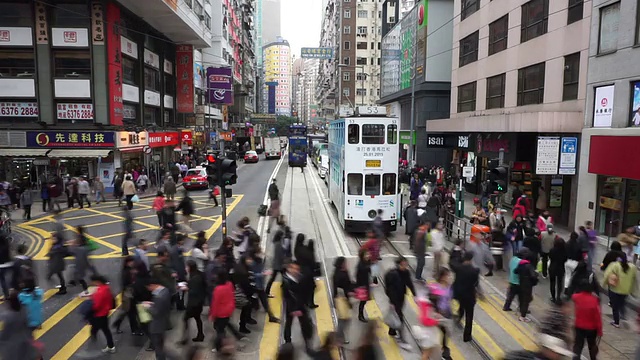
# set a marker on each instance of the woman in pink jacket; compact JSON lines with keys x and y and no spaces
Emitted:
{"x":544,"y":220}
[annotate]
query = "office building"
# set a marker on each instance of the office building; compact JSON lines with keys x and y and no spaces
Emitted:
{"x":277,"y":63}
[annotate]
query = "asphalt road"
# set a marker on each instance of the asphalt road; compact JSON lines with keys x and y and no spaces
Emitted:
{"x":63,"y":333}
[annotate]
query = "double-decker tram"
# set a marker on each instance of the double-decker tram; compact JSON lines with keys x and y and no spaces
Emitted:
{"x":363,"y":168}
{"x":297,"y":145}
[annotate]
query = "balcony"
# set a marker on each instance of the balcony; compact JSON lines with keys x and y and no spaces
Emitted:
{"x":174,"y":19}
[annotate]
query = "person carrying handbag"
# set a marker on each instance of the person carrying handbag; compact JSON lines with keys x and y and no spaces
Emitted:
{"x":128,"y":307}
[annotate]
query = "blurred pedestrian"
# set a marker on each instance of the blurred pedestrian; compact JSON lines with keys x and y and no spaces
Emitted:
{"x":367,"y":348}
{"x":128,"y":306}
{"x":128,"y":229}
{"x":274,"y":208}
{"x":98,"y":189}
{"x":397,"y":281}
{"x":440,"y":295}
{"x":26,"y":201}
{"x":56,"y":262}
{"x":588,"y":320}
{"x":621,"y":280}
{"x":169,"y":186}
{"x":557,"y":258}
{"x":196,"y":288}
{"x":363,"y":276}
{"x":295,"y":306}
{"x":244,"y":279}
{"x":102,"y":303}
{"x":16,"y":341}
{"x":178,"y":268}
{"x":158,"y":206}
{"x":328,"y":346}
{"x":200,"y":252}
{"x":420,"y":239}
{"x":528,"y":278}
{"x":277,"y":260}
{"x":259,"y":275}
{"x":286,"y":352}
{"x":342,"y":281}
{"x":466,"y":288}
{"x":80,"y":251}
{"x":222,"y":306}
{"x":160,"y":310}
{"x":31,"y":300}
{"x":372,"y":245}
{"x":412,"y":220}
{"x":83,"y":192}
{"x":129,"y":190}
{"x":186,"y":205}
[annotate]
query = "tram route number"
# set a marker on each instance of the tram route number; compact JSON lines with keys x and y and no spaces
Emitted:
{"x":373,"y":163}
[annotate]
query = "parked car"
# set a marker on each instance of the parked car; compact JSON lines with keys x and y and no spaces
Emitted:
{"x":251,"y":157}
{"x":196,"y":179}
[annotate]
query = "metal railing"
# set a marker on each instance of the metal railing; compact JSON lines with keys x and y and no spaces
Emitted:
{"x":456,"y":227}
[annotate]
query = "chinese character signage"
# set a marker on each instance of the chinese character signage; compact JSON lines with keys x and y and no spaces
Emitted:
{"x":220,"y":85}
{"x":42,"y":29}
{"x":128,"y":139}
{"x":14,"y":36}
{"x":184,"y":78}
{"x":70,"y":139}
{"x":603,"y":106}
{"x":186,"y":136}
{"x":75,"y":111}
{"x":69,"y":37}
{"x":116,"y":107}
{"x":18,"y":109}
{"x":316,"y":53}
{"x":547,"y":159}
{"x":97,"y":23}
{"x":160,"y":139}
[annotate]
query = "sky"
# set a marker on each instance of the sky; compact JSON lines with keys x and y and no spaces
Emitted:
{"x":301,"y":22}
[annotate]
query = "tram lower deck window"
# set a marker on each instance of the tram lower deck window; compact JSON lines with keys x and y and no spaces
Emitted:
{"x":373,"y":134}
{"x":372,"y":184}
{"x":389,"y":184}
{"x":354,"y":184}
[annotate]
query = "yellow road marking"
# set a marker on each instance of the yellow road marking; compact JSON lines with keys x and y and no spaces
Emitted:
{"x":30,"y":236}
{"x":118,"y":217}
{"x":44,"y":236}
{"x":93,"y":238}
{"x":482,"y":338}
{"x":324,"y":319}
{"x":271,"y":333}
{"x":527,"y":330}
{"x":502,"y":320}
{"x":49,"y":294}
{"x":57,"y":317}
{"x":72,"y":346}
{"x":389,"y":346}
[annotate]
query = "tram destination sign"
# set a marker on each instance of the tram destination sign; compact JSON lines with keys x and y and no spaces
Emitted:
{"x":373,"y":151}
{"x":373,"y":163}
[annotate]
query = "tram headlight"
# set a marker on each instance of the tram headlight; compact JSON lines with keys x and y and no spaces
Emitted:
{"x":372,"y":214}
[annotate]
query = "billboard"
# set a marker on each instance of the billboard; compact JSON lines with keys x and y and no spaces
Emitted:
{"x":317,"y":53}
{"x":184,"y":73}
{"x":114,"y":69}
{"x":220,"y":85}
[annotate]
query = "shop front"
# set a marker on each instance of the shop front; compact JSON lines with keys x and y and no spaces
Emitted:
{"x":405,"y":142}
{"x":162,"y":145}
{"x":131,"y":147}
{"x":617,"y":203}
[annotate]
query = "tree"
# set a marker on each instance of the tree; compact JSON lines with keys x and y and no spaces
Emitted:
{"x":282,"y":124}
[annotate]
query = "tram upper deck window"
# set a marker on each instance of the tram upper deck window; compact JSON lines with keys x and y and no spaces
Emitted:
{"x":354,"y":133}
{"x":372,"y":184}
{"x":373,"y":134}
{"x":389,"y":184}
{"x":354,"y":184}
{"x":392,"y":134}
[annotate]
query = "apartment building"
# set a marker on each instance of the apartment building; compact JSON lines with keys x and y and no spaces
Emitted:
{"x":305,"y":74}
{"x":277,"y":89}
{"x":518,"y":87}
{"x":609,"y":178}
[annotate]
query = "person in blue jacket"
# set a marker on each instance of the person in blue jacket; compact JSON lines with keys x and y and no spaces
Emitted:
{"x":31,"y":299}
{"x":514,"y":279}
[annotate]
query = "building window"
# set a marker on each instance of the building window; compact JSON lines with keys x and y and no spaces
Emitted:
{"x":346,"y":92}
{"x":354,"y":183}
{"x":576,"y":8}
{"x":495,"y":91}
{"x":346,"y":76}
{"x":151,"y":79}
{"x":361,"y":92}
{"x":71,"y":64}
{"x":362,"y":14}
{"x":129,"y":71}
{"x":15,"y":63}
{"x":362,"y":30}
{"x":346,"y":61}
{"x":347,"y":29}
{"x":347,"y":45}
{"x":392,"y":134}
{"x":169,"y":85}
{"x":361,"y":45}
{"x":207,"y":21}
{"x":16,"y":15}
{"x":361,"y":76}
{"x":371,"y":182}
{"x":151,"y":116}
{"x":361,"y":61}
{"x":197,"y":8}
{"x":71,"y":15}
{"x":535,"y":18}
{"x":469,"y":49}
{"x":347,"y":14}
{"x":498,"y":35}
{"x":467,"y":97}
{"x":608,"y":37}
{"x":468,"y":8}
{"x":571,"y":77}
{"x":531,"y":85}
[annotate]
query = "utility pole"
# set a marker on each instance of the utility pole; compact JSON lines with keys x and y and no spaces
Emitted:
{"x":223,"y":192}
{"x":410,"y":153}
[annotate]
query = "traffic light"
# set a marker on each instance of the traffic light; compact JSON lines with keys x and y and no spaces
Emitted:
{"x":212,"y":170}
{"x":498,"y":177}
{"x":227,"y":168}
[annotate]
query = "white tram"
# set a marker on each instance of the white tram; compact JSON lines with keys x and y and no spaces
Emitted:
{"x":363,"y":168}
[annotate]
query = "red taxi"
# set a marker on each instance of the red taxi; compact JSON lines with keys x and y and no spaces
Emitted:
{"x":196,"y":179}
{"x":251,"y":157}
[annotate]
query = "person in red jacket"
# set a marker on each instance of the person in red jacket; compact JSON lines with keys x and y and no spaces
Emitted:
{"x":588,"y":320}
{"x":372,"y":245}
{"x":102,"y":300}
{"x":223,"y":303}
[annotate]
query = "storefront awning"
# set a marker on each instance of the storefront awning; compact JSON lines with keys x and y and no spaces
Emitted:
{"x":132,"y":149}
{"x":23,"y":152}
{"x":77,"y":153}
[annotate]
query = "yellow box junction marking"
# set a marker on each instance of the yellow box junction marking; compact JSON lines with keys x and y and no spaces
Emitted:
{"x":270,"y":343}
{"x":388,"y":345}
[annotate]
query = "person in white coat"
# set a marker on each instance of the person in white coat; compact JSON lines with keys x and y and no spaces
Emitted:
{"x":437,"y":246}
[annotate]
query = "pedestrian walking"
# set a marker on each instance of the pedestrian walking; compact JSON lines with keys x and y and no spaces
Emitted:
{"x":592,"y":235}
{"x":363,"y":286}
{"x":98,"y":190}
{"x":295,"y":306}
{"x":83,"y":192}
{"x":378,"y":225}
{"x":16,"y":340}
{"x":160,"y":310}
{"x":437,"y":240}
{"x":177,"y":265}
{"x":26,"y":201}
{"x":397,"y":281}
{"x":158,"y":206}
{"x":259,"y":274}
{"x":342,"y":281}
{"x":621,"y":280}
{"x":72,"y":192}
{"x":245,"y":281}
{"x":141,"y":258}
{"x":45,"y":195}
{"x":615,"y":251}
{"x":532,"y":242}
{"x":128,"y":190}
{"x":286,"y":352}
{"x":515,"y":233}
{"x":169,"y":216}
{"x":274,"y":208}
{"x":329,"y":345}
{"x":309,"y":267}
{"x":574,"y":255}
{"x":440,"y":295}
{"x":372,"y":245}
{"x":277,"y":260}
{"x":557,"y":258}
{"x":80,"y":251}
{"x":117,"y":187}
{"x":213,"y":195}
{"x":196,"y":288}
{"x":367,"y":348}
{"x":587,"y":320}
{"x":222,"y":306}
{"x":169,"y":186}
{"x":528,"y":278}
{"x":200,"y":252}
{"x":186,"y":205}
{"x":420,"y":239}
{"x":142,"y":182}
{"x":466,"y":288}
{"x":412,"y":220}
{"x":128,"y":307}
{"x":547,"y":240}
{"x":5,"y":262}
{"x":128,"y":230}
{"x":56,"y":263}
{"x":102,"y":303}
{"x":22,"y":268}
{"x":514,"y":279}
{"x":31,"y":301}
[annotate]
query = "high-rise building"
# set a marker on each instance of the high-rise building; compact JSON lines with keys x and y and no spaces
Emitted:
{"x":517,"y":86}
{"x":267,"y":24}
{"x":609,"y":177}
{"x":277,"y":64}
{"x":305,"y":74}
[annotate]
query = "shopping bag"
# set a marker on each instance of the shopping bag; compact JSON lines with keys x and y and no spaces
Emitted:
{"x":539,"y":266}
{"x":135,"y":198}
{"x":362,"y":294}
{"x":262,"y":210}
{"x":392,"y":319}
{"x":143,"y":314}
{"x":216,"y":191}
{"x":91,"y":245}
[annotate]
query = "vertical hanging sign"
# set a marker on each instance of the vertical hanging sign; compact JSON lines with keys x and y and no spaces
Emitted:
{"x":97,"y":23}
{"x":42,"y":30}
{"x":116,"y":107}
{"x":184,"y":79}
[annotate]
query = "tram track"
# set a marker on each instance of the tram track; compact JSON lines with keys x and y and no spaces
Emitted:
{"x":395,"y":251}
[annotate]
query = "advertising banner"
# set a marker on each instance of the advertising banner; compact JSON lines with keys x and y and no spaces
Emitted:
{"x":316,"y":53}
{"x":186,"y":137}
{"x":220,"y":85}
{"x":75,"y":111}
{"x":18,"y":109}
{"x":71,"y":139}
{"x":184,"y":73}
{"x":116,"y":107}
{"x":160,"y":139}
{"x":634,"y":119}
{"x":271,"y":98}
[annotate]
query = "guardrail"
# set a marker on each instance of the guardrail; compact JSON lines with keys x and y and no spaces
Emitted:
{"x":457,"y":227}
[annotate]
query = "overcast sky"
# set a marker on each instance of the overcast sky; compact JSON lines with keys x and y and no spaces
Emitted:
{"x":301,"y":21}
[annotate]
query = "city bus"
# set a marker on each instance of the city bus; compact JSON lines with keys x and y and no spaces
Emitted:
{"x":363,"y":168}
{"x":298,"y":145}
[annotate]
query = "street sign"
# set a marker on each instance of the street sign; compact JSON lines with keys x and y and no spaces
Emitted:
{"x":147,"y":150}
{"x":467,"y":171}
{"x":42,"y":161}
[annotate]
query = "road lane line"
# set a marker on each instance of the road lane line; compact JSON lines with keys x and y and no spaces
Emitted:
{"x":480,"y":336}
{"x":72,"y":346}
{"x":261,"y":222}
{"x":45,"y":235}
{"x":49,"y":294}
{"x":340,"y":245}
{"x":503,"y":321}
{"x":269,"y":343}
{"x":93,"y":238}
{"x":389,"y":347}
{"x":33,"y":239}
{"x":120,"y":217}
{"x":527,"y":330}
{"x":324,"y":318}
{"x":57,"y":317}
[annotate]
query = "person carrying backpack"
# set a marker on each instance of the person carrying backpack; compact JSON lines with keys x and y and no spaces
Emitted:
{"x":31,"y":299}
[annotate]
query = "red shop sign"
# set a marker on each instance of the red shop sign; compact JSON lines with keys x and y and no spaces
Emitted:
{"x":116,"y":107}
{"x":161,"y":139}
{"x":187,"y":137}
{"x":184,"y":76}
